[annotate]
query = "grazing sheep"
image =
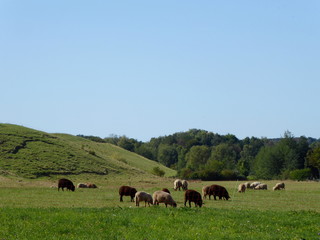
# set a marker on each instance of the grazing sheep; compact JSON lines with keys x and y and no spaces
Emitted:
{"x":192,"y":196}
{"x":261,"y":186}
{"x":241,"y":188}
{"x":143,"y":196}
{"x":184,"y":185}
{"x":82,"y":185}
{"x":166,"y":190}
{"x":177,"y":184}
{"x":205,"y":191}
{"x":220,"y":191}
{"x":66,"y":183}
{"x":127,"y":191}
{"x":163,"y":197}
{"x":247,"y":184}
{"x":91,"y":185}
{"x":279,"y":186}
{"x":254,"y":184}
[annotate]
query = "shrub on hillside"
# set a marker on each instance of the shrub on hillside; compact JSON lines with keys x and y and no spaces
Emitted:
{"x":92,"y":152}
{"x":157,"y":171}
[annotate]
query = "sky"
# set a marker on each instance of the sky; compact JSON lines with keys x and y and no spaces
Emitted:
{"x":147,"y":69}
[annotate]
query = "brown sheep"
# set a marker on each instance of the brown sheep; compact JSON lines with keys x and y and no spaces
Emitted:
{"x":220,"y":191}
{"x":165,"y":190}
{"x":91,"y":185}
{"x":192,"y":196}
{"x":205,"y":191}
{"x":127,"y":191}
{"x":143,"y":196}
{"x":82,"y":185}
{"x":163,"y":197}
{"x":66,"y":183}
{"x":247,"y":184}
{"x":177,"y":184}
{"x":184,"y":185}
{"x":241,"y":188}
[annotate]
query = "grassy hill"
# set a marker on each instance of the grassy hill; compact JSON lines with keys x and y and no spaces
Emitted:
{"x":29,"y":153}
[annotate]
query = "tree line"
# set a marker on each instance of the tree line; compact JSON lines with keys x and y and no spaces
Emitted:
{"x":199,"y":154}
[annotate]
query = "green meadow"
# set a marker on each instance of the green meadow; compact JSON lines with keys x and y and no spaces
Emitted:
{"x":35,"y":209}
{"x":31,"y":207}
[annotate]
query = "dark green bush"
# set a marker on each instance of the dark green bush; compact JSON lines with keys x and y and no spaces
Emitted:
{"x":157,"y":171}
{"x":300,"y":174}
{"x":229,"y":175}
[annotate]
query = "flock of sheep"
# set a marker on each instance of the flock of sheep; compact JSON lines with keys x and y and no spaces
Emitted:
{"x":259,"y":186}
{"x":164,"y":195}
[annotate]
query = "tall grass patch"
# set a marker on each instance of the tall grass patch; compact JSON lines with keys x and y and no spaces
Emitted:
{"x":156,"y":223}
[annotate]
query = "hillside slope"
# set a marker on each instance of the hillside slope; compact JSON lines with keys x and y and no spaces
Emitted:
{"x":30,"y":153}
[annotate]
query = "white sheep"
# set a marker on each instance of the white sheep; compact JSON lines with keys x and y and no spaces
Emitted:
{"x":143,"y":196}
{"x":163,"y":197}
{"x":254,"y":184}
{"x":261,"y":186}
{"x":279,"y":186}
{"x":241,"y":188}
{"x":205,"y":191}
{"x":177,"y":184}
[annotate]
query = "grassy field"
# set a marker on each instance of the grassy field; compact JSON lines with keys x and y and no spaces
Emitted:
{"x":32,"y":209}
{"x":156,"y":223}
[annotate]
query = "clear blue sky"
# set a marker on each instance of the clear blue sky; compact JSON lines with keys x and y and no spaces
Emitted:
{"x":152,"y":68}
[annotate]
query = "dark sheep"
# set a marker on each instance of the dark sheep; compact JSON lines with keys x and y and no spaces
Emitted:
{"x":166,"y":190}
{"x":193,"y":196}
{"x":65,"y":183}
{"x":184,"y":185}
{"x":127,"y":191}
{"x":217,"y":190}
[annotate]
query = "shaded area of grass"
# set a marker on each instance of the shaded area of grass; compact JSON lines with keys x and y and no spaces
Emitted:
{"x":156,"y":223}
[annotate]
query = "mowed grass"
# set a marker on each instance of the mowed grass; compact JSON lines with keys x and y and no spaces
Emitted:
{"x":33,"y":210}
